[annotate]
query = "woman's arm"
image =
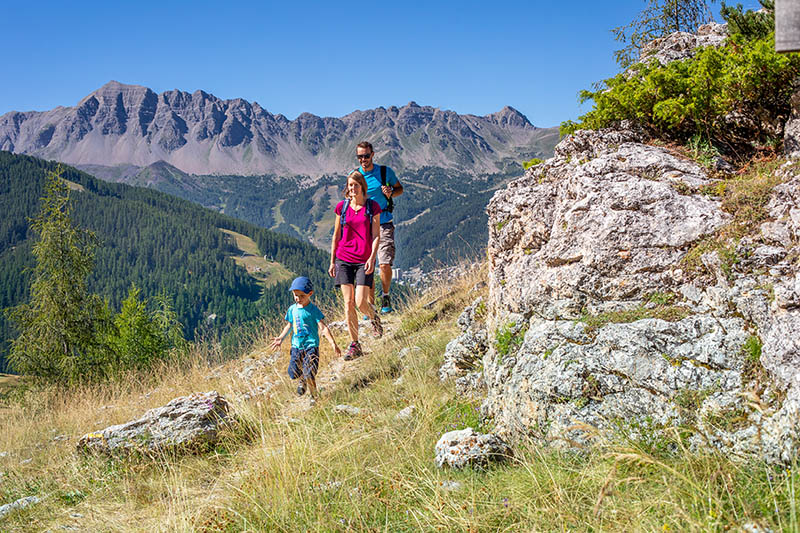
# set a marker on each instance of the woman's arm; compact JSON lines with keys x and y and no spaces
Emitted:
{"x":337,"y":236}
{"x":376,"y":239}
{"x":326,"y":332}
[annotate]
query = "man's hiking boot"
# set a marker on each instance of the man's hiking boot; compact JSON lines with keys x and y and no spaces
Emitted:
{"x":377,"y":327}
{"x":353,"y":352}
{"x":301,"y":388}
{"x":386,"y":304}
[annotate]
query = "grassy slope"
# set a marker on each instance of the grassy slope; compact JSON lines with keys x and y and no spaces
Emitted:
{"x":269,"y":272}
{"x":289,"y":469}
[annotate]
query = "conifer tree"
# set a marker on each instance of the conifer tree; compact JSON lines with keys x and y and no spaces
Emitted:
{"x":659,"y":18}
{"x":62,"y":326}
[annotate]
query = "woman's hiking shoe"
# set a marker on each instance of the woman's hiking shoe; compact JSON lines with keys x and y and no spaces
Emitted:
{"x":377,"y":327}
{"x":353,"y":352}
{"x":386,"y":304}
{"x":301,"y":389}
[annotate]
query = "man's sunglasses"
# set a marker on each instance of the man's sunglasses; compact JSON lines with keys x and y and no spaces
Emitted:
{"x":364,"y":156}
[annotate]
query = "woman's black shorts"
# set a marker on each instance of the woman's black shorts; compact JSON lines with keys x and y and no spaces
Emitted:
{"x":352,"y":274}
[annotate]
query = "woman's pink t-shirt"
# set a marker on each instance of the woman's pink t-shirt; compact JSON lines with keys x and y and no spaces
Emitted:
{"x":356,"y":243}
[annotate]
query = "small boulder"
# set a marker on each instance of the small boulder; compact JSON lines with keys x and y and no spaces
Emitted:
{"x":347,"y":409}
{"x":185,"y":421}
{"x":460,"y":448}
{"x":406,"y":413}
{"x":18,"y":504}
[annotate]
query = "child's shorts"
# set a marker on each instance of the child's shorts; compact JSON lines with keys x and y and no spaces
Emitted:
{"x":304,"y":362}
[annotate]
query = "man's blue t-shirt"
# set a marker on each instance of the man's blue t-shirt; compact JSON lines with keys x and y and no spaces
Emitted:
{"x":305,"y":333}
{"x":373,"y":178}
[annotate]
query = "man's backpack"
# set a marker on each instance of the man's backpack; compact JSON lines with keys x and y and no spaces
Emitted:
{"x":390,"y":200}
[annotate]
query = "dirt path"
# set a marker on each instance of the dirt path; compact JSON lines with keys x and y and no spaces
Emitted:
{"x":332,"y":371}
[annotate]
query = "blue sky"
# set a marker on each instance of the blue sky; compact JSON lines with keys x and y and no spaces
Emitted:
{"x":327,"y":58}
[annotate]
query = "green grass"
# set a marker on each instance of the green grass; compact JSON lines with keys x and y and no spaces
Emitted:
{"x":318,"y":470}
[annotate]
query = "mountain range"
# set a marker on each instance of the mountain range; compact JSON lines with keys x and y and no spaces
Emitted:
{"x":128,"y":127}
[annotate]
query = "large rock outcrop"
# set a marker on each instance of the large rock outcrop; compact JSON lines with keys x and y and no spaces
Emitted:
{"x":681,"y":45}
{"x":185,"y":422}
{"x":604,"y":312}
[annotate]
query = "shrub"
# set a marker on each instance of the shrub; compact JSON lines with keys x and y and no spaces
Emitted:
{"x":731,"y":96}
{"x":532,"y":163}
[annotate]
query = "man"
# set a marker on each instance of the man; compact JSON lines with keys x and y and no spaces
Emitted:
{"x":381,"y":194}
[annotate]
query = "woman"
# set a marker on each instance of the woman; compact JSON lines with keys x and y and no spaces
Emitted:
{"x":354,"y":249}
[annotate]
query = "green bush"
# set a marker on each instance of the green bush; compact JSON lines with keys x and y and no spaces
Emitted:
{"x":729,"y":96}
{"x":533,"y":162}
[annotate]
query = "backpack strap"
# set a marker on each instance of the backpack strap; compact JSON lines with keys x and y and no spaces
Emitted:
{"x":367,"y":207}
{"x":390,"y":200}
{"x":342,"y":219}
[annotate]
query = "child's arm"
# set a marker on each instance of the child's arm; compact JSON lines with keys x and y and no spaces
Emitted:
{"x":326,"y":332}
{"x":276,"y":341}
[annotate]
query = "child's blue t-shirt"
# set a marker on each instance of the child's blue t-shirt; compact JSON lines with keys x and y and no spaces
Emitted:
{"x":305,"y":333}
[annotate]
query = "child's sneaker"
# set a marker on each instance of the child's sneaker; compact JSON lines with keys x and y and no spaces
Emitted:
{"x":353,"y":352}
{"x":377,"y":327}
{"x":386,"y":304}
{"x":301,"y":388}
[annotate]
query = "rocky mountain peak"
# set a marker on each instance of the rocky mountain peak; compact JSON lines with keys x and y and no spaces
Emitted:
{"x":121,"y":124}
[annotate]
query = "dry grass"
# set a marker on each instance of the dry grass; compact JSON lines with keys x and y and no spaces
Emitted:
{"x":285,"y":468}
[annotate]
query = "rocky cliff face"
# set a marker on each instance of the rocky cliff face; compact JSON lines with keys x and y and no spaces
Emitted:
{"x":201,"y":134}
{"x":604,"y":312}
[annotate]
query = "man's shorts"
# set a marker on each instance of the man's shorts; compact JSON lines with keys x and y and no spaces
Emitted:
{"x":352,"y":274}
{"x":304,"y":362}
{"x":386,"y":245}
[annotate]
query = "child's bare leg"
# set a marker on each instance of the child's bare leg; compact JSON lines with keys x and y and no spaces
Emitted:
{"x":311,"y":382}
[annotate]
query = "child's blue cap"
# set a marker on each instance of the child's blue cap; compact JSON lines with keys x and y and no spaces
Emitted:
{"x":302,"y":284}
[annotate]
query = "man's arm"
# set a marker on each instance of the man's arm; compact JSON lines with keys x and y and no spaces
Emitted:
{"x":392,"y":191}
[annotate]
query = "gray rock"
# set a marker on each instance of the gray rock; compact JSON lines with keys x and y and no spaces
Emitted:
{"x":601,"y":221}
{"x":405,"y":414}
{"x":18,"y":504}
{"x":681,"y":45}
{"x":464,"y":447}
{"x":472,"y":385}
{"x":464,"y":353}
{"x":347,"y":409}
{"x":185,"y":421}
{"x":408,"y":350}
{"x":791,"y":131}
{"x":601,"y":231}
{"x":450,"y":486}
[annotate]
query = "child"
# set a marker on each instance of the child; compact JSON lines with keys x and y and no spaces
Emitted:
{"x":303,"y":317}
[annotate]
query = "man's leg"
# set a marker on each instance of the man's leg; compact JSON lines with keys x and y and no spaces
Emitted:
{"x":386,"y":277}
{"x":386,"y":260}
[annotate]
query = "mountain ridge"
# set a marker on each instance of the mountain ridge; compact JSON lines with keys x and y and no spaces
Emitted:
{"x":198,"y":133}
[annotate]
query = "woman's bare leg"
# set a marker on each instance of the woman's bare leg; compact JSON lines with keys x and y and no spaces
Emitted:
{"x":362,"y":301}
{"x":350,"y":314}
